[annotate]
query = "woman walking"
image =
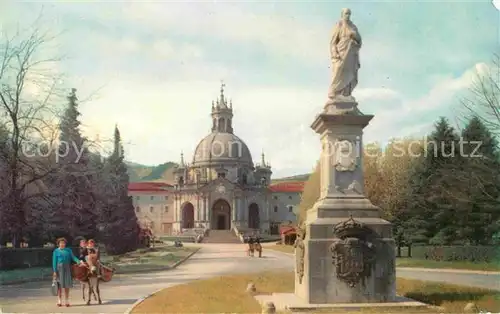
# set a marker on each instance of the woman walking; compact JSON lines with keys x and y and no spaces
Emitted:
{"x":61,"y":265}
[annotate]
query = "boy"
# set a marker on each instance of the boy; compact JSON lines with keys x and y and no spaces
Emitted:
{"x":92,"y":249}
{"x":83,"y":250}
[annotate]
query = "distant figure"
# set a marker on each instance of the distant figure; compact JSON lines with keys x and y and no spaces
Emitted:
{"x":250,"y":242}
{"x":61,"y":265}
{"x":256,"y":245}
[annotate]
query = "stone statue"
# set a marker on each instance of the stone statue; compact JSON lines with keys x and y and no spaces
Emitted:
{"x":344,"y":49}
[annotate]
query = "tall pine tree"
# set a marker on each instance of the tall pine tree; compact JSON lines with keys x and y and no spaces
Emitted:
{"x":480,"y":198}
{"x":120,"y":228}
{"x":432,"y":197}
{"x":77,"y":202}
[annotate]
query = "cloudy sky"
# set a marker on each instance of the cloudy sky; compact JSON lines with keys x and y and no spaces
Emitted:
{"x":155,"y":67}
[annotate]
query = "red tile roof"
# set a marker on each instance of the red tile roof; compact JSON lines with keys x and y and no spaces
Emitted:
{"x":290,"y":187}
{"x":148,"y":187}
{"x":286,"y":230}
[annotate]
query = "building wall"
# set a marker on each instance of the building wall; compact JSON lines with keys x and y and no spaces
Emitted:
{"x":284,"y":206}
{"x":156,"y":208}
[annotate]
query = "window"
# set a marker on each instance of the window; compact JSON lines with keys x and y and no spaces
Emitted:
{"x":152,"y":197}
{"x":166,"y":209}
{"x":151,"y":209}
{"x":137,"y":209}
{"x":275,"y":197}
{"x":290,"y":209}
{"x":275,"y":209}
{"x":289,"y":197}
{"x":137,"y":197}
{"x":166,"y":197}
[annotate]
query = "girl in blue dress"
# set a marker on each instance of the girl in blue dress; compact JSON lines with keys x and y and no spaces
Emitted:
{"x":61,"y":265}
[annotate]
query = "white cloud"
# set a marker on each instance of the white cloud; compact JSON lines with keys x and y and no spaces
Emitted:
{"x":286,"y":35}
{"x":496,"y":3}
{"x":416,"y":116}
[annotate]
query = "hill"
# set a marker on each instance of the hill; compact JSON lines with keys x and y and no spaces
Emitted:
{"x":164,"y":173}
{"x":299,"y":177}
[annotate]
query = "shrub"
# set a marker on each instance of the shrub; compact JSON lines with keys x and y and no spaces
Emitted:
{"x":486,"y":254}
{"x":14,"y":258}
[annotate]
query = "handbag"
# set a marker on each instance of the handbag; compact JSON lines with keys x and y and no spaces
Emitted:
{"x":55,"y":287}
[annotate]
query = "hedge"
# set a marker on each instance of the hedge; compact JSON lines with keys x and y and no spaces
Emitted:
{"x":15,"y":258}
{"x":486,"y":254}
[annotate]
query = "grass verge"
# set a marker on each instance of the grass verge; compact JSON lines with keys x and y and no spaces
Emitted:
{"x":418,"y":263}
{"x":148,"y":259}
{"x":227,"y":295}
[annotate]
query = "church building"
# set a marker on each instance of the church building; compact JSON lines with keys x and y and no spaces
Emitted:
{"x":221,"y":188}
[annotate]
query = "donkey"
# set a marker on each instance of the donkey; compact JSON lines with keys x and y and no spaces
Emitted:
{"x":92,"y":278}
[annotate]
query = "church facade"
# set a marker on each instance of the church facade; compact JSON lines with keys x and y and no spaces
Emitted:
{"x":220,"y":188}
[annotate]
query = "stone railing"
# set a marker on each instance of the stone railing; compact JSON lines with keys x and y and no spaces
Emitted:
{"x":239,"y":234}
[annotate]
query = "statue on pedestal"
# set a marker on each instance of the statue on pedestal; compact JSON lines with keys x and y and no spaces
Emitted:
{"x":344,"y":49}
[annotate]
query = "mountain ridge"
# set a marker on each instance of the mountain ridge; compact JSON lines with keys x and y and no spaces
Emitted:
{"x":165,"y":173}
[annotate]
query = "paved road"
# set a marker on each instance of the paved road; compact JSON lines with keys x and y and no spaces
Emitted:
{"x":211,"y":260}
{"x":119,"y":294}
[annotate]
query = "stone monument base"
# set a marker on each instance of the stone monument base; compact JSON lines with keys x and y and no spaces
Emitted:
{"x":341,"y":106}
{"x":291,"y":302}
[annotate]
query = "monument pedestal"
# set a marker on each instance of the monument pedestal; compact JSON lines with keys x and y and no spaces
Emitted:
{"x":346,"y":260}
{"x":349,"y":252}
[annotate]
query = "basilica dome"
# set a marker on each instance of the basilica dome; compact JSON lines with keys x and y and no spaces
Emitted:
{"x":220,"y":148}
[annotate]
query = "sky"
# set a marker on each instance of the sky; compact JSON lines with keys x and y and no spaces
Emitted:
{"x":153,"y":68}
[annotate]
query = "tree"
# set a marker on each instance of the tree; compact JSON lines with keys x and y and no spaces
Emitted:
{"x":373,"y":173}
{"x":431,"y":201}
{"x":27,"y":111}
{"x":310,"y":194}
{"x":387,"y":174}
{"x":480,"y":197}
{"x":484,"y":101}
{"x":118,"y":215}
{"x":77,"y":202}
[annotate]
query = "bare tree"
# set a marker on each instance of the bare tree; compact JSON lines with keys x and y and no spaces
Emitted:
{"x":29,"y":92}
{"x":484,"y":101}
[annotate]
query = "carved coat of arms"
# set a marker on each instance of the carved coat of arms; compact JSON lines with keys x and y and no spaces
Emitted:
{"x":353,"y":252}
{"x":221,"y":189}
{"x":299,"y":254}
{"x":345,"y":157}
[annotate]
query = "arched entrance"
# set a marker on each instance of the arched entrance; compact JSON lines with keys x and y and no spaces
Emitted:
{"x":253,"y":216}
{"x":187,"y":216}
{"x":221,"y":215}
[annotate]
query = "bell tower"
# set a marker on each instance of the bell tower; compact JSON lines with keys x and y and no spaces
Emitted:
{"x":222,"y":115}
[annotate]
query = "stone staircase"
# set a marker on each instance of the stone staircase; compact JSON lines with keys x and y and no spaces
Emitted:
{"x":221,"y":236}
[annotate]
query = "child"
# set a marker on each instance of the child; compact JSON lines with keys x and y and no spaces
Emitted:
{"x":92,"y":249}
{"x":83,"y":250}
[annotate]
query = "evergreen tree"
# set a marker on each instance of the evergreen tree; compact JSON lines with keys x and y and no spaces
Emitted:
{"x":432,"y":199}
{"x":77,"y":201}
{"x":480,"y":198}
{"x":119,"y":222}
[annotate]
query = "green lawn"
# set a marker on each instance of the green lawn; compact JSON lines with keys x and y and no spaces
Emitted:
{"x":411,"y":262}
